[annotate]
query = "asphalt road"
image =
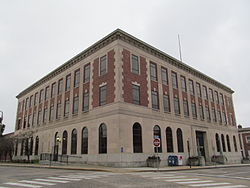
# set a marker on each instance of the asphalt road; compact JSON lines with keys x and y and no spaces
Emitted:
{"x":20,"y":177}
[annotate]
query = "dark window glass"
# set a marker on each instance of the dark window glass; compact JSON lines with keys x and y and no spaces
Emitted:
{"x":223,"y":143}
{"x":103,"y":65}
{"x":216,"y":97}
{"x":155,"y":101}
{"x":67,"y":84}
{"x":31,"y":100}
{"x":153,"y":71}
{"x":77,"y":78}
{"x":217,"y":138}
{"x":31,"y":146}
{"x":41,"y":96}
{"x":201,"y":112}
{"x":208,"y":113}
{"x":86,"y":74}
{"x":102,"y":138}
{"x":75,"y":104}
{"x":64,"y":143}
{"x":214,"y":115}
{"x":185,"y":108}
{"x":135,"y":64}
{"x":235,"y":144}
{"x":205,"y":92}
{"x":183,"y":84}
{"x":179,"y":140}
{"x":46,"y":96}
{"x":174,"y":80}
{"x":137,"y":138}
{"x":228,"y":144}
{"x":164,"y":76}
{"x":60,"y":86}
{"x":198,"y":89}
{"x":169,"y":139}
{"x":51,"y":113}
{"x":39,"y":117}
{"x":211,"y":95}
{"x":45,"y":111}
{"x":66,"y":108}
{"x":221,"y":99}
{"x":194,"y":111}
{"x":135,"y":94}
{"x":36,"y":145}
{"x":29,"y":120}
{"x":26,"y":103}
{"x":191,"y":86}
{"x":24,"y":122}
{"x":176,"y":106}
{"x":157,"y":134}
{"x":22,"y":147}
{"x":103,"y":95}
{"x":35,"y":99}
{"x":34,"y":118}
{"x":219,"y":116}
{"x":166,"y":103}
{"x":58,"y":111}
{"x":74,"y":142}
{"x":85,"y":106}
{"x":85,"y":140}
{"x":53,"y":90}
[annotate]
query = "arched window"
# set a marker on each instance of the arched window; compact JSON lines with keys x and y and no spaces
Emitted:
{"x":228,"y":144}
{"x":137,"y":138}
{"x":84,"y":140}
{"x":64,"y":142}
{"x":31,"y":146}
{"x":55,"y":142}
{"x":169,"y":139}
{"x":235,"y":144}
{"x":74,"y":141}
{"x":16,"y":148}
{"x":102,"y":138}
{"x":223,"y":143}
{"x":217,"y":138}
{"x":36,"y":145}
{"x":157,"y":134}
{"x":179,"y":140}
{"x":22,"y":147}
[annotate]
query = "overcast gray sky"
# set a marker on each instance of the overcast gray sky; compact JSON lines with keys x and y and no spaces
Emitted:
{"x":38,"y":36}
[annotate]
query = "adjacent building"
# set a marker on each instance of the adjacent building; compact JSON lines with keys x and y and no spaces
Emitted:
{"x":107,"y":104}
{"x":244,"y":136}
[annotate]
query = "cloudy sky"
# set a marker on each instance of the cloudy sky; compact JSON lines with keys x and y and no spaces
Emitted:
{"x":38,"y":36}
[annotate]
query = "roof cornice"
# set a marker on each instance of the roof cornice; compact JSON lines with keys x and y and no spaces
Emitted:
{"x":121,"y":35}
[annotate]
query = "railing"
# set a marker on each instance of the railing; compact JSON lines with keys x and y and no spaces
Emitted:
{"x":54,"y":157}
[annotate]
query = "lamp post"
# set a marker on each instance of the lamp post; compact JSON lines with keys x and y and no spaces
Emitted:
{"x":188,"y":147}
{"x":2,"y":126}
{"x":57,"y":142}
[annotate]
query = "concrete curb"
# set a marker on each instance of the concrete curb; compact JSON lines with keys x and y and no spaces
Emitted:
{"x":122,"y":170}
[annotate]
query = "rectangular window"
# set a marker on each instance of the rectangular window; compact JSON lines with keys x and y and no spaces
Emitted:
{"x":194,"y":111}
{"x":31,"y":100}
{"x":67,"y":84}
{"x":45,"y":111}
{"x":29,"y":120}
{"x":201,"y":112}
{"x":46,"y":96}
{"x":231,"y":120}
{"x":103,"y":95}
{"x":205,"y":92}
{"x":208,"y":113}
{"x":85,"y":102}
{"x":211,"y":95}
{"x":198,"y":89}
{"x":77,"y":78}
{"x":53,"y":90}
{"x":35,"y":99}
{"x":75,"y":104}
{"x":24,"y":122}
{"x":58,"y":110}
{"x":191,"y":86}
{"x":183,"y":84}
{"x":176,"y":106}
{"x":164,"y":76}
{"x":214,"y":115}
{"x":135,"y":94}
{"x":185,"y":108}
{"x":248,"y":139}
{"x":221,"y":99}
{"x":86,"y":73}
{"x":219,"y":117}
{"x":26,"y":103}
{"x":66,"y":108}
{"x":103,"y":65}
{"x":41,"y":96}
{"x":51,"y":113}
{"x":216,"y":97}
{"x":224,"y":118}
{"x":174,"y":80}
{"x":39,"y":117}
{"x":34,"y":119}
{"x":166,"y":103}
{"x":155,"y":101}
{"x":60,"y":86}
{"x":153,"y":71}
{"x":135,"y":64}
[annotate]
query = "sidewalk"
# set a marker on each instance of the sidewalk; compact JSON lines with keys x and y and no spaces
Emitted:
{"x":119,"y":170}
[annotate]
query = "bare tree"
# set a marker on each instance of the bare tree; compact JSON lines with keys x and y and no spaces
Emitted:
{"x":7,"y":147}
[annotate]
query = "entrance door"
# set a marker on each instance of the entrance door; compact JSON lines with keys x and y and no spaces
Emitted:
{"x":200,"y":143}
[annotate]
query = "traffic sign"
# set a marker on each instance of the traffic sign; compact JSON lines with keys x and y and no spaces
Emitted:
{"x":157,"y":142}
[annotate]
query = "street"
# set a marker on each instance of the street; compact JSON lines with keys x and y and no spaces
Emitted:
{"x":19,"y":177}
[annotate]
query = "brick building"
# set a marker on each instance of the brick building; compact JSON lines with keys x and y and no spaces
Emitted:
{"x":244,"y":136}
{"x":108,"y":103}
